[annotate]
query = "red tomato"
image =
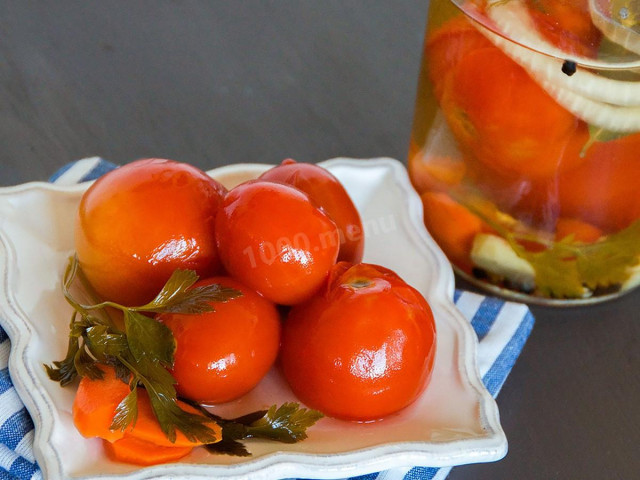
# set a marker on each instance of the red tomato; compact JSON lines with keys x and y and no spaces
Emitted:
{"x":326,"y":191}
{"x":362,"y":348}
{"x":140,"y":222}
{"x":273,"y":239}
{"x":222,"y":355}
{"x":603,"y":190}
{"x":503,"y":118}
{"x":447,"y":45}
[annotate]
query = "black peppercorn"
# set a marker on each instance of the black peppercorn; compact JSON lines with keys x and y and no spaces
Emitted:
{"x":569,"y":67}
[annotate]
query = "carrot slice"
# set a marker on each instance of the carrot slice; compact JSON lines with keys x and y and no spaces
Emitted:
{"x":148,"y":429}
{"x":95,"y":405}
{"x":452,"y":226}
{"x":133,"y":450}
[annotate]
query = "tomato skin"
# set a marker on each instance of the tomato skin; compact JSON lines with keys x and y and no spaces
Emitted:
{"x":447,"y":45}
{"x":140,"y":222}
{"x":222,"y":355}
{"x":361,"y":349}
{"x":273,"y":239}
{"x":326,"y":191}
{"x":603,"y":191}
{"x":504,"y":119}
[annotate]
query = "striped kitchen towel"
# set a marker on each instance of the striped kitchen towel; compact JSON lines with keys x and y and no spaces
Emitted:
{"x":502,"y":328}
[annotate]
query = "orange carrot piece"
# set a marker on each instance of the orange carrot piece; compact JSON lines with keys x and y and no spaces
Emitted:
{"x":95,"y":405}
{"x":148,"y":429}
{"x":133,"y":450}
{"x":452,"y":226}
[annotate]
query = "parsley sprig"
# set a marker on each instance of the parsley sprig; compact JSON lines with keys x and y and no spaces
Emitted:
{"x":141,"y":350}
{"x":566,"y":268}
{"x":286,"y":423}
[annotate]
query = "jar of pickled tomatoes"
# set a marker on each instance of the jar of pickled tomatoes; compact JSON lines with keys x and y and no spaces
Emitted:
{"x":525,"y":146}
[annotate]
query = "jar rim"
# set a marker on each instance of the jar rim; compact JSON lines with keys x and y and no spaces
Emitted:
{"x":511,"y":20}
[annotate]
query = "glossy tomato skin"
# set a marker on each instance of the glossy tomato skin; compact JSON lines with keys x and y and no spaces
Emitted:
{"x":363,"y":348}
{"x":140,"y":222}
{"x":275,"y":240}
{"x":326,"y":191}
{"x":222,"y":355}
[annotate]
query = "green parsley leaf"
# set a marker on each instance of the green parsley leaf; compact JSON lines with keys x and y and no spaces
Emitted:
{"x":566,"y":269}
{"x":171,"y":418}
{"x":142,"y":353}
{"x":177,"y":296}
{"x":228,"y":446}
{"x":103,"y":344}
{"x":149,"y":339}
{"x":608,"y":262}
{"x":556,"y":275}
{"x":64,"y":371}
{"x":126,"y":411}
{"x":287,"y":423}
{"x":85,"y":364}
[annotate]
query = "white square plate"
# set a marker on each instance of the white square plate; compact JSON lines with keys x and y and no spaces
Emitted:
{"x":455,"y":421}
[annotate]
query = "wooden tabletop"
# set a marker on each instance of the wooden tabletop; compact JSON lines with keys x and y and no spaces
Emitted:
{"x":214,"y":82}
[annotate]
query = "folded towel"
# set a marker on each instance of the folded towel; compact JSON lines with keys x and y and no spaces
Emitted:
{"x":502,"y":328}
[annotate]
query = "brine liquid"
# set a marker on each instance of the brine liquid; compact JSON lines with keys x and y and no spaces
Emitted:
{"x":528,"y":164}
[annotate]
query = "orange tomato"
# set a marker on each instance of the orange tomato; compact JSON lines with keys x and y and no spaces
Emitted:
{"x":362,"y":348}
{"x":222,"y":355}
{"x":603,"y":190}
{"x":272,"y":238}
{"x":140,"y":222}
{"x":533,"y":201}
{"x":504,"y":119}
{"x":447,"y":45}
{"x":326,"y":191}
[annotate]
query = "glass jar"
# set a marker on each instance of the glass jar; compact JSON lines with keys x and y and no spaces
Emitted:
{"x":525,"y":146}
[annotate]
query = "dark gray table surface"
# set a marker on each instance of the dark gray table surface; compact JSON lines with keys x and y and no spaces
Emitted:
{"x":214,"y":82}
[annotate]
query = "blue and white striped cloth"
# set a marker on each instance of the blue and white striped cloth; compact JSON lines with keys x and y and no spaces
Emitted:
{"x":502,"y":329}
